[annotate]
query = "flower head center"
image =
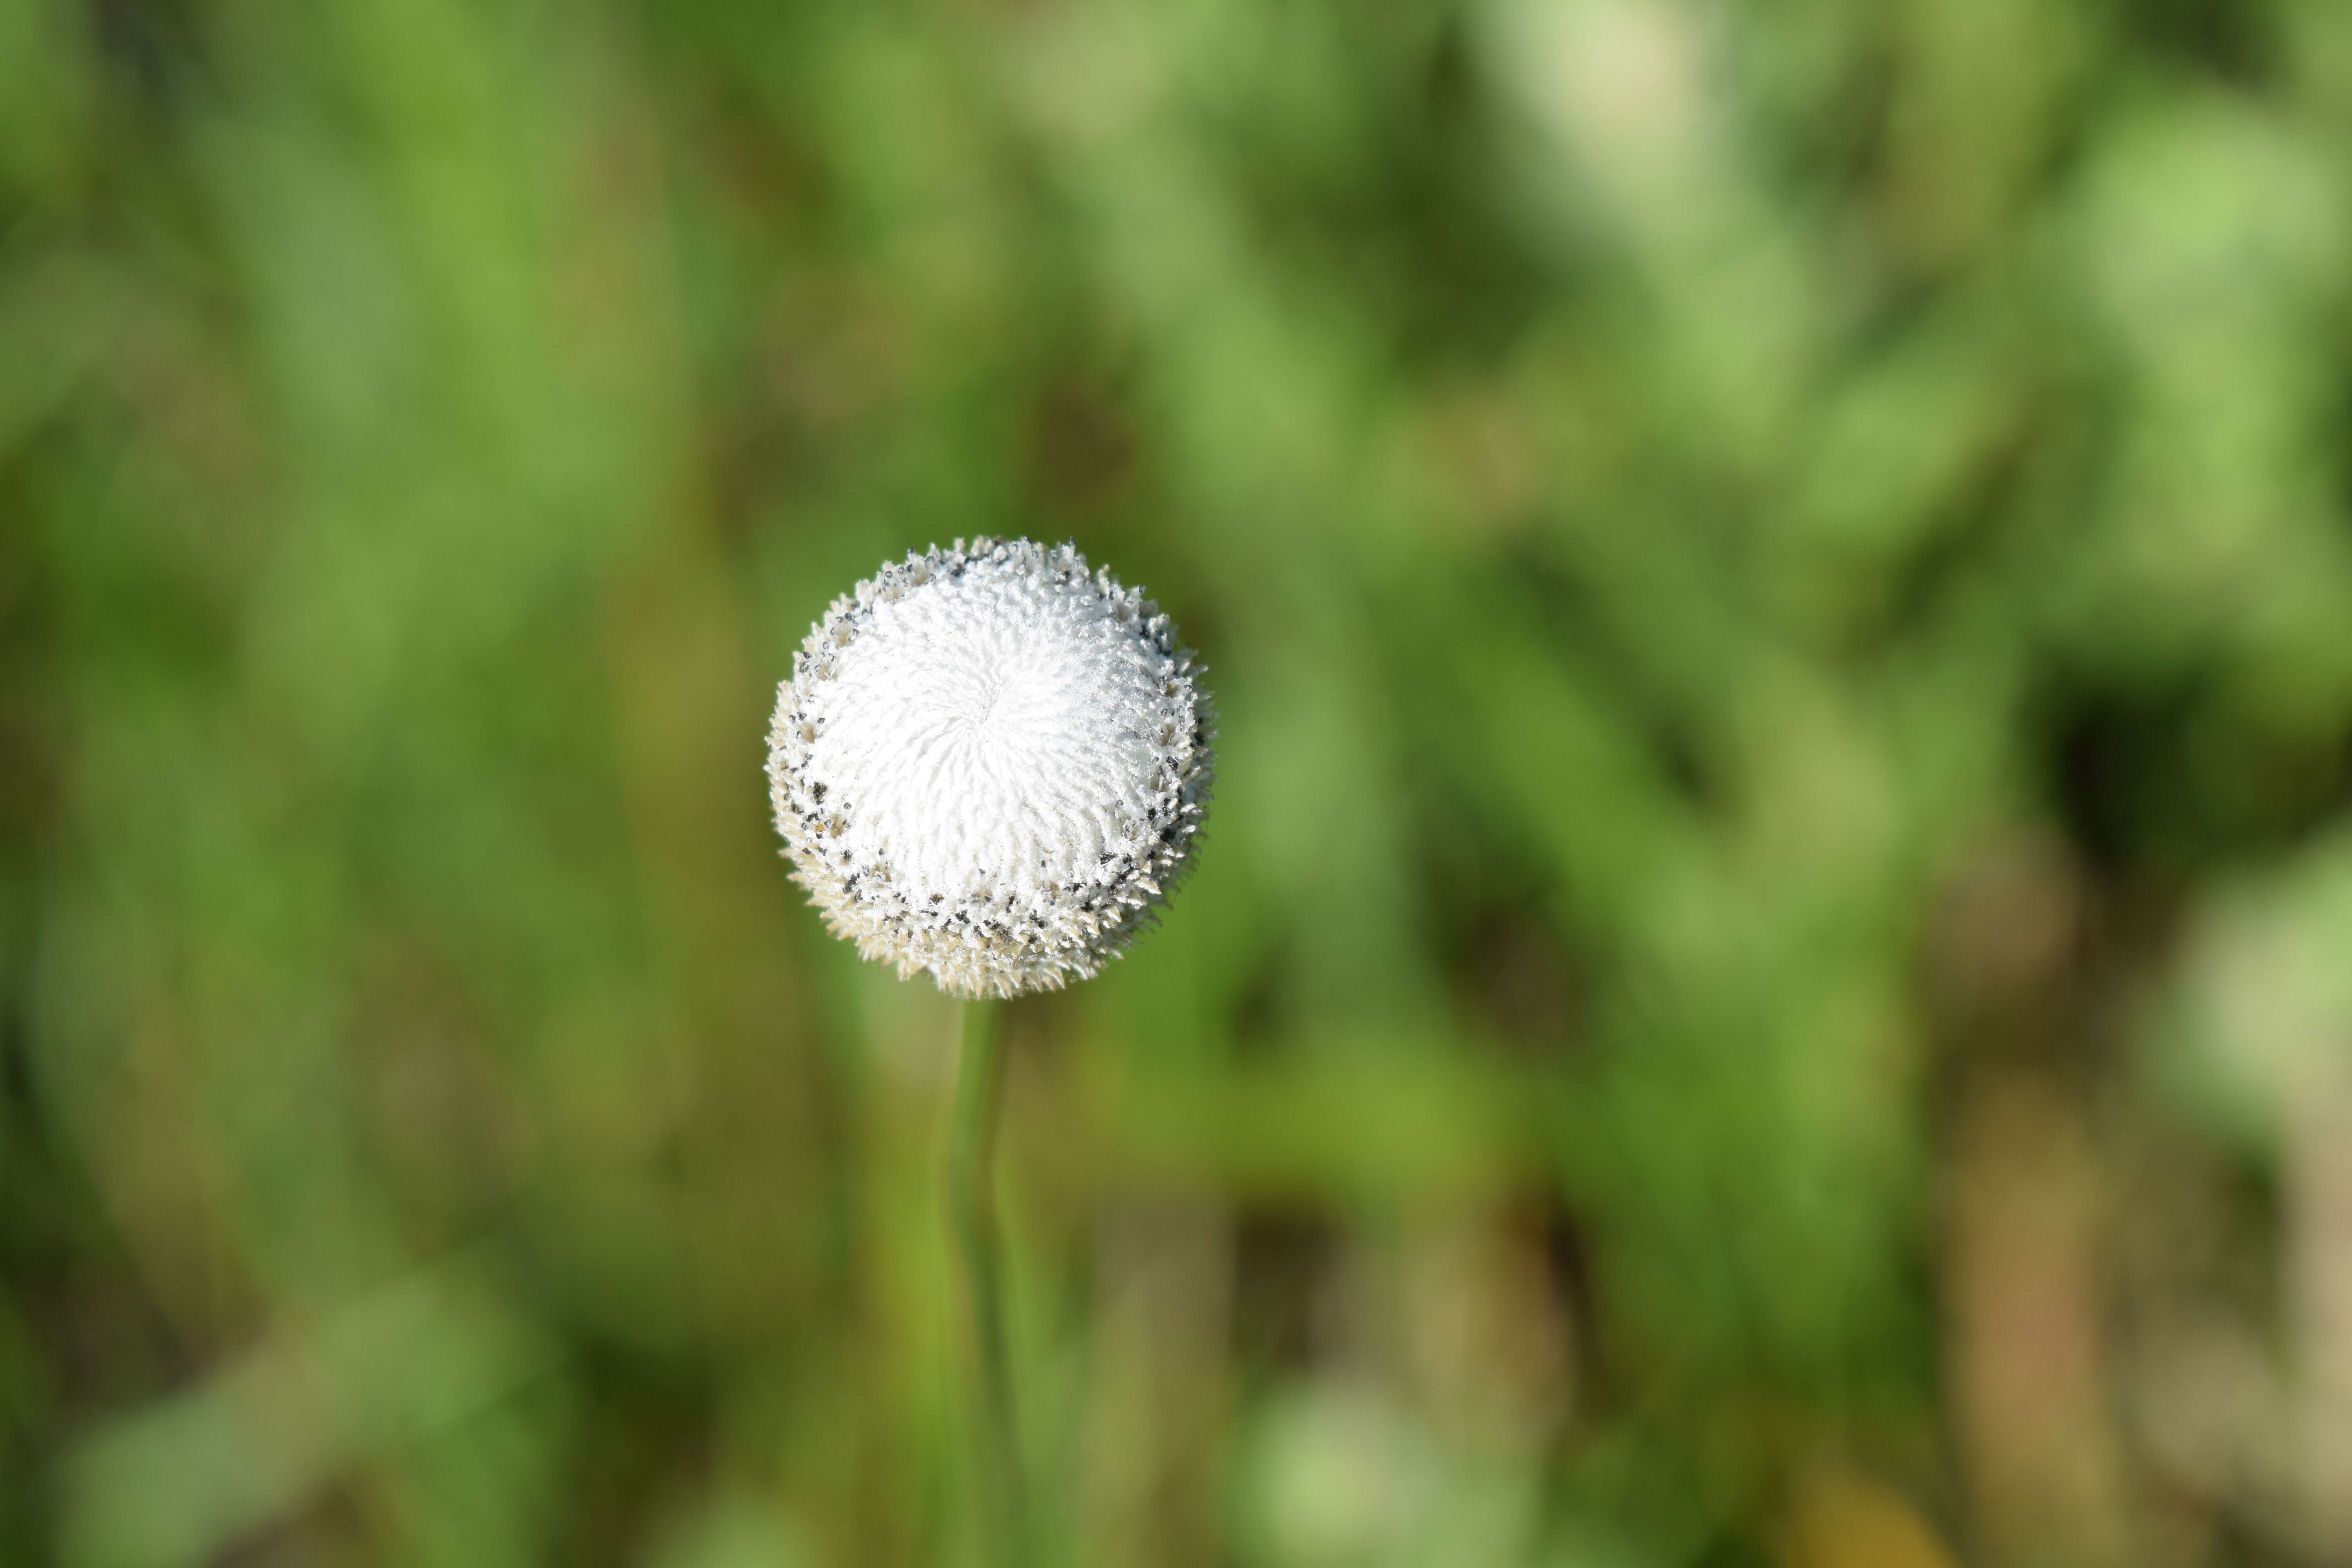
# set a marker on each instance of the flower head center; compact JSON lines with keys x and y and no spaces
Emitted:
{"x":1002,"y":746}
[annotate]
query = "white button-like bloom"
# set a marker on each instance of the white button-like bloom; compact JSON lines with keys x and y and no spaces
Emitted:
{"x":990,"y":765}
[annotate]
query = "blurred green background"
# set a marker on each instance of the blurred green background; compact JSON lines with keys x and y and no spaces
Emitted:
{"x":1771,"y":982}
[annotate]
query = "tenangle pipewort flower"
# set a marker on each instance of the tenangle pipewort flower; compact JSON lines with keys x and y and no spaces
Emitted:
{"x":990,"y":765}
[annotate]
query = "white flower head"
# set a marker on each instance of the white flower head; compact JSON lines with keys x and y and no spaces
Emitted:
{"x":990,"y":765}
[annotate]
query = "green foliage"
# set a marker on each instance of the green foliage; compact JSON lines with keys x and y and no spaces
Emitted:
{"x":1780,"y":590}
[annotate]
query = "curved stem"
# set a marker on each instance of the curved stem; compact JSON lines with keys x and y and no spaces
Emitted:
{"x":971,"y":1217}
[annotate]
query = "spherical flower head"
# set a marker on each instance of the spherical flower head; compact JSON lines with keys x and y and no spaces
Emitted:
{"x":990,"y":765}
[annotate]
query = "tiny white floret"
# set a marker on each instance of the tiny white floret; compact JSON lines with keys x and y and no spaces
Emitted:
{"x":990,"y":765}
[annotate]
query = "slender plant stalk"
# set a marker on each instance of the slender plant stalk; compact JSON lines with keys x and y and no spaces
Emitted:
{"x":971,"y":1217}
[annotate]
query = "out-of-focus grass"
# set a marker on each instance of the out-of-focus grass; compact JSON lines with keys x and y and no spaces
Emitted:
{"x":1768,"y":981}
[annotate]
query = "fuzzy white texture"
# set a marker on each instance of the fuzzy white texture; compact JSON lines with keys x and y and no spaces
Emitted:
{"x":990,"y":765}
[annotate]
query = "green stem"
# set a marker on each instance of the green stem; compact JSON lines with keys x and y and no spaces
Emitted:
{"x":971,"y":1218}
